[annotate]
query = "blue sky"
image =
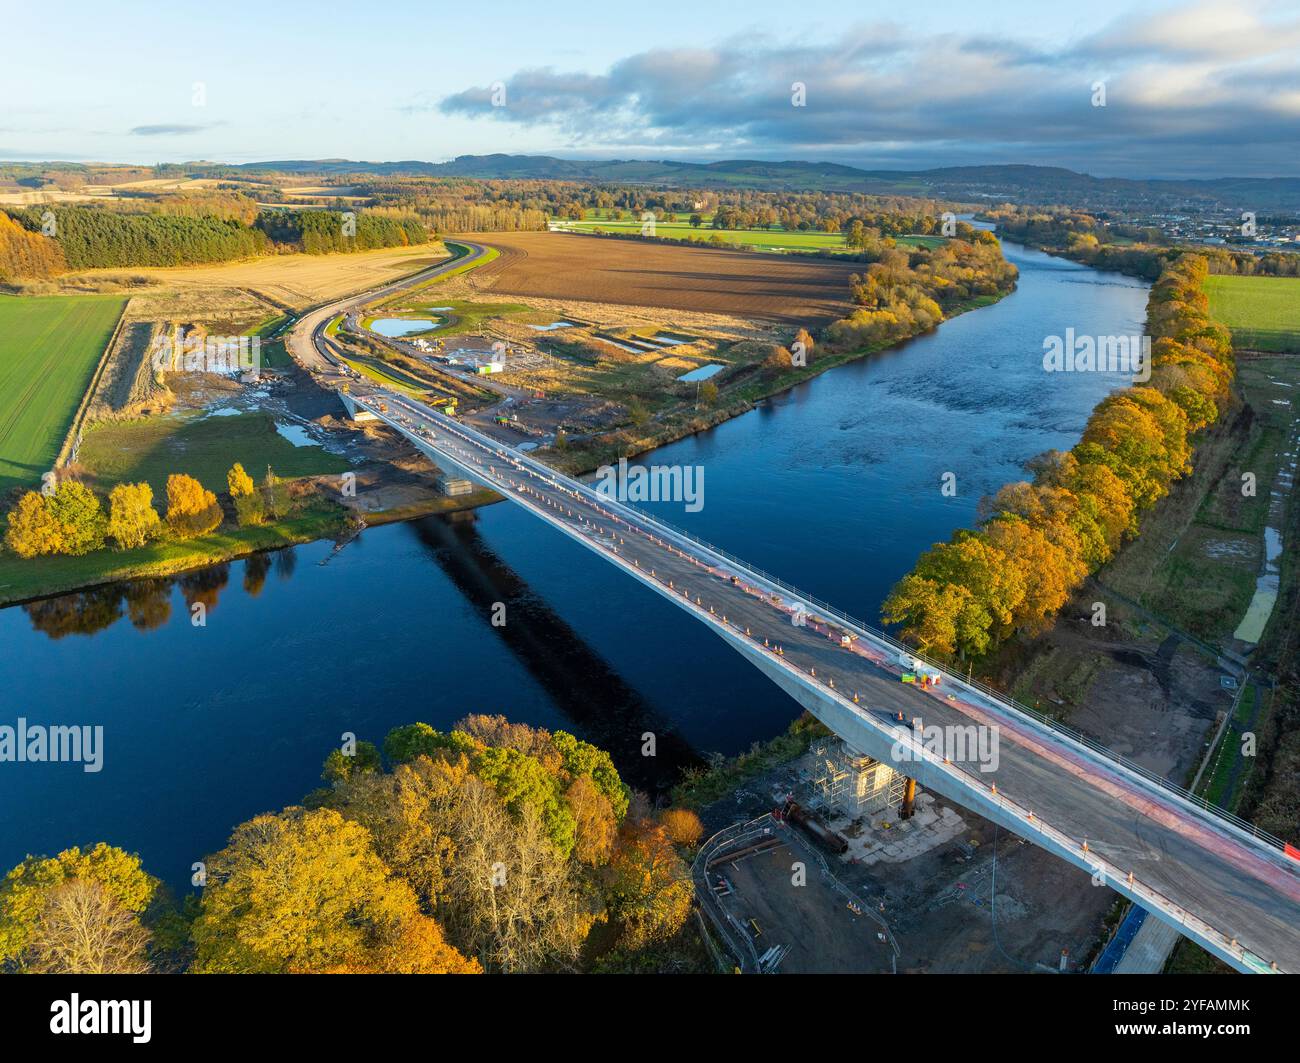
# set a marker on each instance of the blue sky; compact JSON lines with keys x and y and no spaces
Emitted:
{"x":1197,"y":89}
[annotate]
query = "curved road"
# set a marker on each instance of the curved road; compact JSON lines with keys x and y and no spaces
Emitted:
{"x":313,"y":350}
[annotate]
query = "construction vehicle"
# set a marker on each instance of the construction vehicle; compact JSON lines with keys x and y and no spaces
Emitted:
{"x":925,"y":674}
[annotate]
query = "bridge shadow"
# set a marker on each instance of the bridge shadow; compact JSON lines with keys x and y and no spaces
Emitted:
{"x":605,"y":709}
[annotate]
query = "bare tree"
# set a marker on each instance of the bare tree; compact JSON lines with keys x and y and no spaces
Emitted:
{"x":510,"y":898}
{"x":84,"y":930}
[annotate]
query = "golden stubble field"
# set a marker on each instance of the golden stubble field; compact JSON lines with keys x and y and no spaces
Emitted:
{"x":287,"y":281}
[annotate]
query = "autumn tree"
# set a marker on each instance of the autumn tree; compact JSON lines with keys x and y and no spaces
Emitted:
{"x":595,"y":824}
{"x":778,"y":357}
{"x":31,"y":529}
{"x":250,"y":509}
{"x":35,"y":920}
{"x":76,"y":510}
{"x":682,"y":826}
{"x":1050,"y":572}
{"x":27,"y":254}
{"x":649,"y":885}
{"x":132,"y":520}
{"x":937,"y":616}
{"x":509,"y":897}
{"x":84,"y":929}
{"x":238,"y":482}
{"x":304,"y":891}
{"x":412,"y":814}
{"x":192,"y":510}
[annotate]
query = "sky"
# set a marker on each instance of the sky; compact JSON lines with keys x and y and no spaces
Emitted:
{"x":1114,"y":89}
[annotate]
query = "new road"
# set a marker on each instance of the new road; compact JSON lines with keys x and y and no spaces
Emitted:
{"x":1216,"y":879}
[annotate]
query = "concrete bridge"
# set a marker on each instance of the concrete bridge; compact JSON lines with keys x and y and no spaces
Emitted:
{"x":1215,"y":878}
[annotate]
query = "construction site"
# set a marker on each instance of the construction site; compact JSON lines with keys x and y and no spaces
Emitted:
{"x":837,"y":862}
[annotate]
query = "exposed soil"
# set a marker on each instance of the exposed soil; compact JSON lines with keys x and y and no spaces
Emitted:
{"x":800,"y":291}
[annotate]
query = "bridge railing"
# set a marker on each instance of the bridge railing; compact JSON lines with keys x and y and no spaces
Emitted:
{"x":1108,"y":872}
{"x":1000,"y":700}
{"x":1116,"y":876}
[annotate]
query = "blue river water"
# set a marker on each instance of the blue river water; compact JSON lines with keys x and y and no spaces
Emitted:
{"x":834,"y":486}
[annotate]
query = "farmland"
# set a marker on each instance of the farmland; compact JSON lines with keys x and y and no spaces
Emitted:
{"x":49,"y":347}
{"x":1263,"y":312}
{"x":292,"y":282}
{"x":566,"y":266}
{"x":758,"y":239}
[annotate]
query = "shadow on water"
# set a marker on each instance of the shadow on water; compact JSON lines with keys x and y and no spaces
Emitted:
{"x":602,"y":705}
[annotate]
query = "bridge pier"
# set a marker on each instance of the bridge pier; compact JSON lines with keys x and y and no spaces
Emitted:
{"x":909,"y":799}
{"x":870,"y":733}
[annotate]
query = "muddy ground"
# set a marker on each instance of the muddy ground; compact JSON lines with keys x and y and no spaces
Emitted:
{"x":981,"y":902}
{"x":799,"y":291}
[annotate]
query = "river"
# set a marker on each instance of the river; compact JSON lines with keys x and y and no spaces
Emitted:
{"x":834,"y":486}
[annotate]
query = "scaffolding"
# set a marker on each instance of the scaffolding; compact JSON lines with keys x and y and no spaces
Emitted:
{"x":852,"y":784}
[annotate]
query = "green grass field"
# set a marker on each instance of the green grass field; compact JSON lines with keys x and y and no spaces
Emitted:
{"x":204,"y":447}
{"x":1262,"y":312}
{"x":763,"y":239}
{"x":49,"y":346}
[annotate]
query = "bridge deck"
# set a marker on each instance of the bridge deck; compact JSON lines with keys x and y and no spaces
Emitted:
{"x":1235,"y":892}
{"x":1243,"y":888}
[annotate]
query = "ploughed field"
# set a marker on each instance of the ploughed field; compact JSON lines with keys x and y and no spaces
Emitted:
{"x":595,"y":269}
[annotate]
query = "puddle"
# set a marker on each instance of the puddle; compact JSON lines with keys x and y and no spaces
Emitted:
{"x":295,"y":434}
{"x":394,"y":327}
{"x":553,"y":326}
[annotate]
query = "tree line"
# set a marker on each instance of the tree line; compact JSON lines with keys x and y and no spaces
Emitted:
{"x":71,"y":520}
{"x":1038,"y":540}
{"x":493,"y":847}
{"x":1147,"y":253}
{"x":185,"y":234}
{"x":320,"y":232}
{"x":905,"y":291}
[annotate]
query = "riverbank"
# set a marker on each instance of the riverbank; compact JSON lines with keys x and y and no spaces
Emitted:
{"x":46,"y":577}
{"x":833,"y":485}
{"x":586,"y":456}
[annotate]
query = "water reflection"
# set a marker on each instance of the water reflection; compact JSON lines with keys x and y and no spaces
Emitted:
{"x":147,"y":603}
{"x":581,"y":683}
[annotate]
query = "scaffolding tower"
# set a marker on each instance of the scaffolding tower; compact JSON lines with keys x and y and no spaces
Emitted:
{"x":852,"y":784}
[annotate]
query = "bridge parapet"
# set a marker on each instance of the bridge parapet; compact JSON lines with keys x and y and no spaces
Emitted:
{"x":759,"y":577}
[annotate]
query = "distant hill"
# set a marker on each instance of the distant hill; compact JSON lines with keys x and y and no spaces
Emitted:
{"x":1023,"y":184}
